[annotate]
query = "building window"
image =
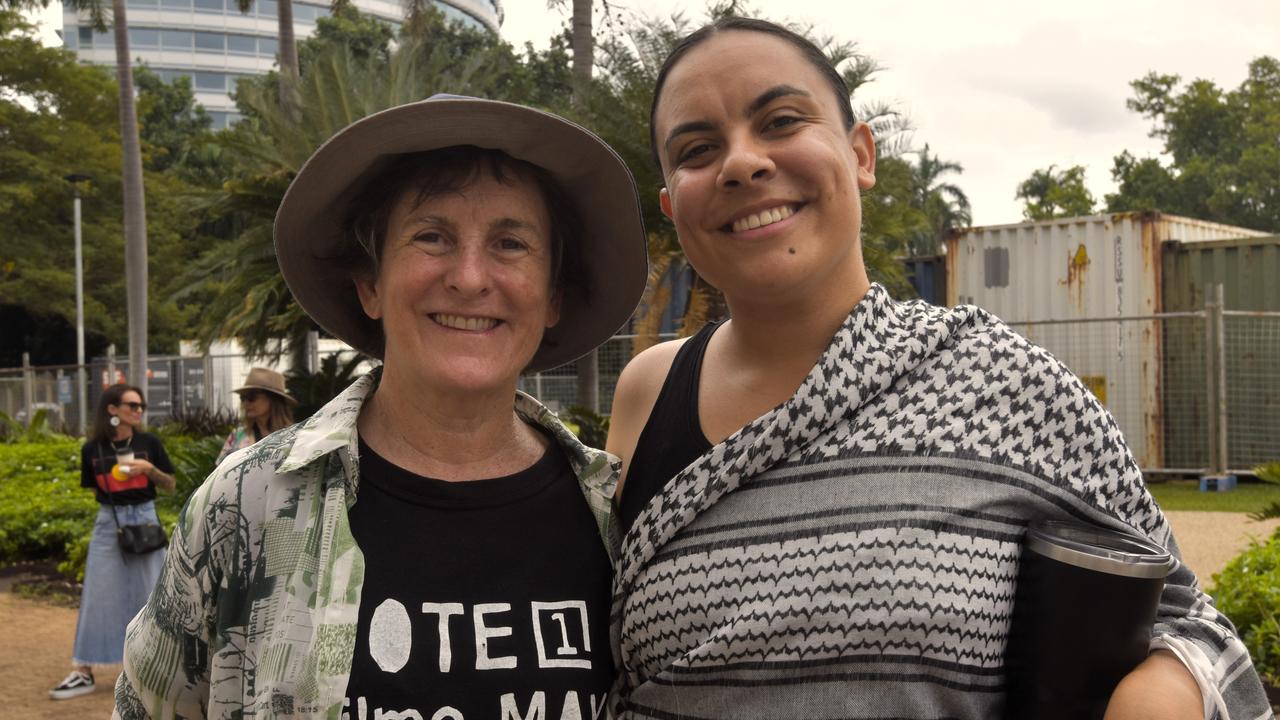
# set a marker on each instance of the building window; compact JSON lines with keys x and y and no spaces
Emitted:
{"x":242,"y":44}
{"x":86,"y":36}
{"x":143,"y":4}
{"x":175,"y":39}
{"x":267,"y":8}
{"x":268,"y":46}
{"x":211,"y":41}
{"x":211,"y":81}
{"x":175,"y":4}
{"x":144,"y":38}
{"x":209,"y":5}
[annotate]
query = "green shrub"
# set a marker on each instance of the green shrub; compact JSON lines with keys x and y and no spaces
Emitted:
{"x":1248,"y":591}
{"x":45,"y":514}
{"x":42,"y":506}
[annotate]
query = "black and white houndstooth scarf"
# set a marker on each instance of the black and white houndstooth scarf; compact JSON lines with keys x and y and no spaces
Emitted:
{"x":852,"y":553}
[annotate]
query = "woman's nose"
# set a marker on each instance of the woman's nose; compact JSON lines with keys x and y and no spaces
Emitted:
{"x":746,"y":161}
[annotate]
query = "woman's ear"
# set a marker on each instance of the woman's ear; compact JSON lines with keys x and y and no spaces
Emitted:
{"x":863,"y":145}
{"x":664,"y":202}
{"x":367,"y":291}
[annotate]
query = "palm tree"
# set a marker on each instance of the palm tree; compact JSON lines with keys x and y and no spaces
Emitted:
{"x":247,"y":297}
{"x":135,"y":211}
{"x":945,"y":204}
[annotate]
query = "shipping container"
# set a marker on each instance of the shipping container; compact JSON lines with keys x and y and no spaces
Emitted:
{"x":1084,"y":288}
{"x":928,"y":275}
{"x":1248,"y":269}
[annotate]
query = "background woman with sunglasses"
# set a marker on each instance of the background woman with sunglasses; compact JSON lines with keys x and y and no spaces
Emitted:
{"x":124,"y":466}
{"x":265,"y":407}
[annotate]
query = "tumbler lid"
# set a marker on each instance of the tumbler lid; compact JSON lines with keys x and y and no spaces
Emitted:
{"x":1100,"y":549}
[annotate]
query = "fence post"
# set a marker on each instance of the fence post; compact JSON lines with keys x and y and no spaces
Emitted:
{"x":111,"y":364}
{"x":1219,"y":307}
{"x":28,"y":387}
{"x":313,"y":351}
{"x":209,"y":404}
{"x":1210,"y":375}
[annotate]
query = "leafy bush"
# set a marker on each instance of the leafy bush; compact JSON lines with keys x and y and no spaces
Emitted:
{"x":313,"y":390}
{"x":1268,"y":473}
{"x":198,"y":423}
{"x":45,"y":514}
{"x":38,"y":430}
{"x":1248,"y":591}
{"x":591,"y":427}
{"x":43,"y":509}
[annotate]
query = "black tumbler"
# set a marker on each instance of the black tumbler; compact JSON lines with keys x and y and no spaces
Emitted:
{"x":1082,"y":614}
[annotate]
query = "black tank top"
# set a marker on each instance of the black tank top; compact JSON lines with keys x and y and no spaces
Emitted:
{"x":672,"y":438}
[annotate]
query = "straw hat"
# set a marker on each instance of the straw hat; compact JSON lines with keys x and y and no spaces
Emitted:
{"x":309,"y":236}
{"x":265,"y":380}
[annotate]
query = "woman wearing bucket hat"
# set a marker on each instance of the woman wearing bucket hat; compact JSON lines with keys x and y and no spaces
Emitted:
{"x":264,"y":407}
{"x":422,"y":546}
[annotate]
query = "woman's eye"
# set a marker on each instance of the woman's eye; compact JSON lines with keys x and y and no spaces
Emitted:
{"x":432,"y":242}
{"x":781,"y":121}
{"x":693,"y":152}
{"x":512,"y":245}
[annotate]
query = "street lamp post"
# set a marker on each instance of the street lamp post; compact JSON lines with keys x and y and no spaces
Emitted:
{"x":81,"y":380}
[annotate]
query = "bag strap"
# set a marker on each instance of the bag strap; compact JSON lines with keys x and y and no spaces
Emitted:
{"x":111,"y":500}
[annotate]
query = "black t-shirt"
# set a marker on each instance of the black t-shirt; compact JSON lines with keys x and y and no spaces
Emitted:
{"x":97,"y":459}
{"x":482,"y":600}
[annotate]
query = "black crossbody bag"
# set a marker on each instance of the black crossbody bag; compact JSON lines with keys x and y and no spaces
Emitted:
{"x":134,"y":539}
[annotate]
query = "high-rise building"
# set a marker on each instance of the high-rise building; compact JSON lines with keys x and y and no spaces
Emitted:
{"x":213,"y":43}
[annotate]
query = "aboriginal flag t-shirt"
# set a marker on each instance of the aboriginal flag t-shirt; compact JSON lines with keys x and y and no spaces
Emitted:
{"x":482,"y":600}
{"x":97,"y":459}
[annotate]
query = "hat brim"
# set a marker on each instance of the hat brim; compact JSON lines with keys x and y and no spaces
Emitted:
{"x":263,"y":388}
{"x":308,"y":226}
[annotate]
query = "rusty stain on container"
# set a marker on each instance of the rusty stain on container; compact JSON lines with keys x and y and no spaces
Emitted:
{"x":1077,"y":263}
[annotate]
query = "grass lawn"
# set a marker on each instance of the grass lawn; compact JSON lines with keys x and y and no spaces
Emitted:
{"x":1186,"y":495}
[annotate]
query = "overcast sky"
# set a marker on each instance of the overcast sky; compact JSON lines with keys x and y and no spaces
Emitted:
{"x":1004,"y":87}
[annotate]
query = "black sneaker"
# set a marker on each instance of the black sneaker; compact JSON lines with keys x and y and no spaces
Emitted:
{"x":76,"y":684}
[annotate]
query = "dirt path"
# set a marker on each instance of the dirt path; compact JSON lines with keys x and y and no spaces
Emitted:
{"x":35,"y":654}
{"x":1210,"y":539}
{"x":35,"y":638}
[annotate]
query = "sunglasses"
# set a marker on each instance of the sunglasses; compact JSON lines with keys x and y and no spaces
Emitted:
{"x":135,"y":406}
{"x":250,"y":395}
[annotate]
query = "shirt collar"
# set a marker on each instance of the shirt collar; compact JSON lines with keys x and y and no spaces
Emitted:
{"x":333,"y":427}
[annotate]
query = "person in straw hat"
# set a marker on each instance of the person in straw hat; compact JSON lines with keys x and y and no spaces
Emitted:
{"x":431,"y":543}
{"x":265,"y":407}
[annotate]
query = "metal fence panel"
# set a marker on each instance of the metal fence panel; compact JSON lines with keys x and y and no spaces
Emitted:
{"x":1252,"y":355}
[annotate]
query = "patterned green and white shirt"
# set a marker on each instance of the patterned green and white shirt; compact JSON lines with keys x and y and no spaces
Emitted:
{"x":254,"y":614}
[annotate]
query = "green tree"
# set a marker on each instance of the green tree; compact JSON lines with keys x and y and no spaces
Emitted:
{"x":238,"y":279}
{"x":1222,"y":155}
{"x":58,"y":118}
{"x":944,"y":204}
{"x":1051,"y":193}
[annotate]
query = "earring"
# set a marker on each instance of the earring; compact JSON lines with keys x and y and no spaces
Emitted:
{"x":115,"y":421}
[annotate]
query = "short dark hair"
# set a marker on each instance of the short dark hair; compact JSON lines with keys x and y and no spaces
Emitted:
{"x":807,"y":49}
{"x":103,"y":430}
{"x":447,"y":170}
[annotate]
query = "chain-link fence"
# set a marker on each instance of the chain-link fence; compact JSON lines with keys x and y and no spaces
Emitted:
{"x":1193,"y":392}
{"x":178,"y":384}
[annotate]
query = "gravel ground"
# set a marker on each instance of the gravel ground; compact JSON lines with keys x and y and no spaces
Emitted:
{"x":35,"y":638}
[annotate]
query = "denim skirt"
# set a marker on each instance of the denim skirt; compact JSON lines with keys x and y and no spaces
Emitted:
{"x":116,"y":586}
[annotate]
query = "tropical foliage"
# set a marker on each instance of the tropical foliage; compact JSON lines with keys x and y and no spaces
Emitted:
{"x":1221,"y":156}
{"x":1052,"y":193}
{"x":1248,"y":591}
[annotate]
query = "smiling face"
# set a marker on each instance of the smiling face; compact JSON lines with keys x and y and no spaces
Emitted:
{"x":464,"y":286}
{"x":129,"y":410}
{"x":762,"y":177}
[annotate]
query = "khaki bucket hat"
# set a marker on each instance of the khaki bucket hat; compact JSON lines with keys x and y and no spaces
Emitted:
{"x":266,"y":380}
{"x":309,"y":237}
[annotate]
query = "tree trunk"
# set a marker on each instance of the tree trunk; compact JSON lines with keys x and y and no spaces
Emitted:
{"x":135,"y":209}
{"x":583,"y":60}
{"x":290,"y":100}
